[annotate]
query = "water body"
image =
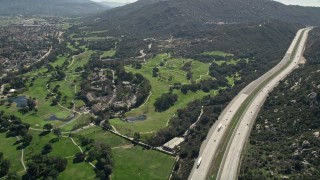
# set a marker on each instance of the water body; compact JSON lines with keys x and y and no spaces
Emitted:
{"x":53,"y":117}
{"x":20,"y":101}
{"x":135,"y":119}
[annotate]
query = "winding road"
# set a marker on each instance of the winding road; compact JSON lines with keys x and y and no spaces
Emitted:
{"x":222,"y":148}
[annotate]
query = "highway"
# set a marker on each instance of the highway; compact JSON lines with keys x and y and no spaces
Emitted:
{"x":243,"y":109}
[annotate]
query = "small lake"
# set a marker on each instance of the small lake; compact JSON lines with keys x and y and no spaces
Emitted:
{"x":137,"y":118}
{"x":20,"y":101}
{"x":53,"y":117}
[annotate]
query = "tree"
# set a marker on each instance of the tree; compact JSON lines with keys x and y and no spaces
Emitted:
{"x":165,"y":101}
{"x":136,"y":136}
{"x":155,"y":72}
{"x":189,"y":75}
{"x":46,"y":149}
{"x":4,"y":165}
{"x":57,"y":132}
{"x":48,"y":127}
{"x":26,"y":139}
{"x":79,"y":157}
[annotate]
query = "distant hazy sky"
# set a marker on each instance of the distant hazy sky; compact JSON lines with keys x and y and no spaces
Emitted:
{"x":120,"y":1}
{"x":293,"y":2}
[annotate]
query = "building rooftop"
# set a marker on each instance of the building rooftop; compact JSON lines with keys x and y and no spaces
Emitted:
{"x":173,"y":142}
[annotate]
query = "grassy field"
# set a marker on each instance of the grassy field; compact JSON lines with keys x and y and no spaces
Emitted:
{"x":233,"y":78}
{"x":132,"y":162}
{"x":160,"y":85}
{"x":10,"y":152}
{"x":82,"y":120}
{"x":108,"y":54}
{"x":217,"y":53}
{"x":62,"y":148}
{"x":79,"y":61}
{"x":60,"y":60}
{"x":77,"y":171}
{"x":229,"y":62}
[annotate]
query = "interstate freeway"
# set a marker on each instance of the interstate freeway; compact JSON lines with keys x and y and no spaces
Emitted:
{"x":222,"y":148}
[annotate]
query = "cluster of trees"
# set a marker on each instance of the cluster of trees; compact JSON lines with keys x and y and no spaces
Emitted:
{"x":103,"y":45}
{"x":130,"y":47}
{"x":4,"y":165}
{"x":178,"y":124}
{"x":99,"y":152}
{"x":13,"y":126}
{"x":45,"y":167}
{"x":58,"y":74}
{"x":165,"y":101}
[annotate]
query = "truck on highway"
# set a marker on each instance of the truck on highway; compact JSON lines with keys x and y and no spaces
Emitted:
{"x":199,"y":162}
{"x":219,"y":127}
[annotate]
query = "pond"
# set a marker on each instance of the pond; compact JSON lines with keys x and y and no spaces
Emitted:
{"x":137,"y":118}
{"x":20,"y":101}
{"x":53,"y":117}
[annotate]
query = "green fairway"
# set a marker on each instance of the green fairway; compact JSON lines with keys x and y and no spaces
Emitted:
{"x":229,"y":62}
{"x":100,"y":135}
{"x":81,"y":121}
{"x":77,"y":171}
{"x":79,"y":60}
{"x":139,"y":163}
{"x":10,"y":152}
{"x":62,"y":148}
{"x":132,"y":162}
{"x":217,"y":53}
{"x":108,"y":54}
{"x":59,"y":62}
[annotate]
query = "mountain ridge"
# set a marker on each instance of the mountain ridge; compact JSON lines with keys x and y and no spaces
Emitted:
{"x":158,"y":17}
{"x":48,"y":7}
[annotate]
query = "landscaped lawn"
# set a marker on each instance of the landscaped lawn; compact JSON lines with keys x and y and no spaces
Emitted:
{"x":80,"y":60}
{"x":62,"y":148}
{"x":9,"y":148}
{"x":108,"y":54}
{"x":82,"y":120}
{"x":77,"y":171}
{"x":139,"y":163}
{"x":132,"y":162}
{"x":217,"y":53}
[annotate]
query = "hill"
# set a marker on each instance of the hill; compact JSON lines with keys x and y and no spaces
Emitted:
{"x":49,"y":7}
{"x":159,"y":17}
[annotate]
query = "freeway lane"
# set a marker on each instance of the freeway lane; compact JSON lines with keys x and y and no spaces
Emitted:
{"x":214,"y":143}
{"x":229,"y":166}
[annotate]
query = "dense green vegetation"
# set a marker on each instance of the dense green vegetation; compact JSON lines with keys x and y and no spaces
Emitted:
{"x":4,"y":165}
{"x":285,"y":140}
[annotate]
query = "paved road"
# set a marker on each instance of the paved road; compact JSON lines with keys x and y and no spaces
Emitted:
{"x":210,"y":146}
